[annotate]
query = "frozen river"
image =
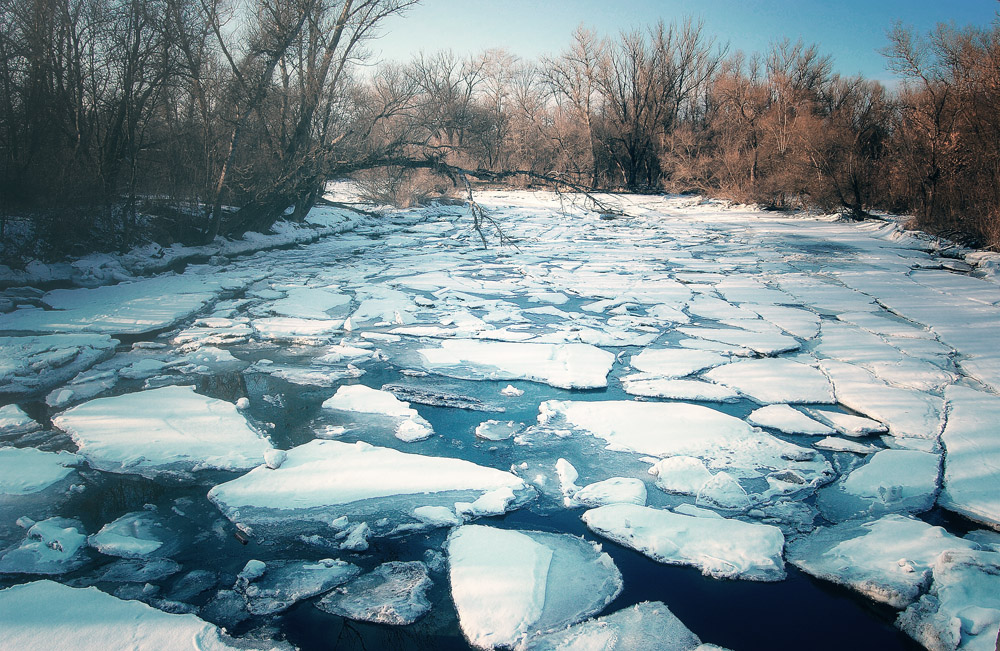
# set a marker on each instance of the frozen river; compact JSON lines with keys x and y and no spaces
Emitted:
{"x":684,"y":426}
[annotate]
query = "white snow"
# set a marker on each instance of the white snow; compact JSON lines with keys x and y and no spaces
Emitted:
{"x":53,"y":546}
{"x":508,"y":584}
{"x":641,"y":384}
{"x":675,"y":362}
{"x":680,"y":474}
{"x":720,"y":547}
{"x":972,"y":455}
{"x":616,"y":490}
{"x":888,"y":559}
{"x":567,"y":366}
{"x":322,"y":480}
{"x":47,"y":615}
{"x":161,"y":432}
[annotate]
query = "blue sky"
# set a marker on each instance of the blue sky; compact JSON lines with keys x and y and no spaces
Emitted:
{"x":852,"y":31}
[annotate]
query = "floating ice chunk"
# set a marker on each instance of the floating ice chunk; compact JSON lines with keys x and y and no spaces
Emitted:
{"x":361,"y":399}
{"x":296,"y":330}
{"x":641,"y":384}
{"x":511,"y":391}
{"x":835,"y":444}
{"x":14,"y":422}
{"x":647,"y":625}
{"x":383,"y":305}
{"x":34,"y":365}
{"x":495,"y":430}
{"x":48,"y":615}
{"x":494,"y":502}
{"x":765,"y":342}
{"x":680,"y":474}
{"x":357,"y":538}
{"x":24,"y":471}
{"x":772,"y":381}
{"x":311,"y":303}
{"x":139,"y":570}
{"x":795,"y":321}
{"x":972,"y":455}
{"x":567,"y":475}
{"x":277,"y":585}
{"x":617,"y":490}
{"x":317,"y":377}
{"x":52,"y":546}
{"x":274,"y":458}
{"x":567,"y":366}
{"x":393,"y":593}
{"x":721,"y":548}
{"x":906,"y":412}
{"x":962,"y":609}
{"x":848,"y":424}
{"x":508,"y":585}
{"x":438,"y":397}
{"x":134,"y":535}
{"x":887,"y":560}
{"x":675,"y":362}
{"x":788,"y":420}
{"x":668,"y":429}
{"x":906,"y":476}
{"x":722,"y":491}
{"x":162,"y":431}
{"x":437,"y":516}
{"x":323,"y":480}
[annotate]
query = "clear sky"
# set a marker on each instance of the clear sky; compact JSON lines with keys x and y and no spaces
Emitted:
{"x":852,"y":31}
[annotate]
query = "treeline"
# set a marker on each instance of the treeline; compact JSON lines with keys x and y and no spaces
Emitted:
{"x":124,"y":120}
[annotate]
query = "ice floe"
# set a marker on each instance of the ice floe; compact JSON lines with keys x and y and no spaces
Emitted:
{"x":393,"y":593}
{"x":641,"y":384}
{"x":646,"y":625}
{"x":163,"y":432}
{"x":567,"y":366}
{"x":508,"y":585}
{"x":616,"y":490}
{"x":277,"y":585}
{"x":675,"y":362}
{"x":24,"y":471}
{"x":888,"y":560}
{"x":53,"y":546}
{"x":972,"y":455}
{"x":771,"y":381}
{"x":719,"y":547}
{"x":787,"y":419}
{"x":134,"y":535}
{"x":34,"y":365}
{"x":321,"y":481}
{"x":48,"y":615}
{"x":357,"y":398}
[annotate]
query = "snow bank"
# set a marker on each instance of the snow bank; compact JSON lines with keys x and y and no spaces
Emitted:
{"x":161,"y":432}
{"x":720,"y":547}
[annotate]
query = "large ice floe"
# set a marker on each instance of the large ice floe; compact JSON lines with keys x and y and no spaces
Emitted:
{"x":163,"y":432}
{"x":719,"y":547}
{"x":646,"y":625}
{"x":322,"y":481}
{"x":972,"y":455}
{"x":568,"y":366}
{"x":48,"y":615}
{"x":510,"y":585}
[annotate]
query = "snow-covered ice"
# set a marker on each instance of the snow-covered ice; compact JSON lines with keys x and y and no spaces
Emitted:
{"x":53,"y":546}
{"x":163,"y":432}
{"x":24,"y":471}
{"x":720,"y":547}
{"x":787,"y":419}
{"x":133,"y":535}
{"x":972,"y":455}
{"x":324,"y":480}
{"x":48,"y":615}
{"x":358,"y":398}
{"x":646,"y":625}
{"x":616,"y":490}
{"x":34,"y":365}
{"x":508,"y":585}
{"x":888,"y":560}
{"x":277,"y":585}
{"x":771,"y":381}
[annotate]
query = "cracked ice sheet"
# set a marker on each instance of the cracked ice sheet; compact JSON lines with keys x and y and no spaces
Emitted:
{"x":169,"y":431}
{"x":906,"y":412}
{"x":48,"y":615}
{"x":972,"y":455}
{"x":759,"y":336}
{"x":324,"y":480}
{"x":675,"y":362}
{"x":566,"y":366}
{"x":892,"y":481}
{"x":30,"y":365}
{"x":510,"y":585}
{"x":665,"y":429}
{"x":771,"y":381}
{"x":128,"y":308}
{"x":720,"y":547}
{"x":888,"y":559}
